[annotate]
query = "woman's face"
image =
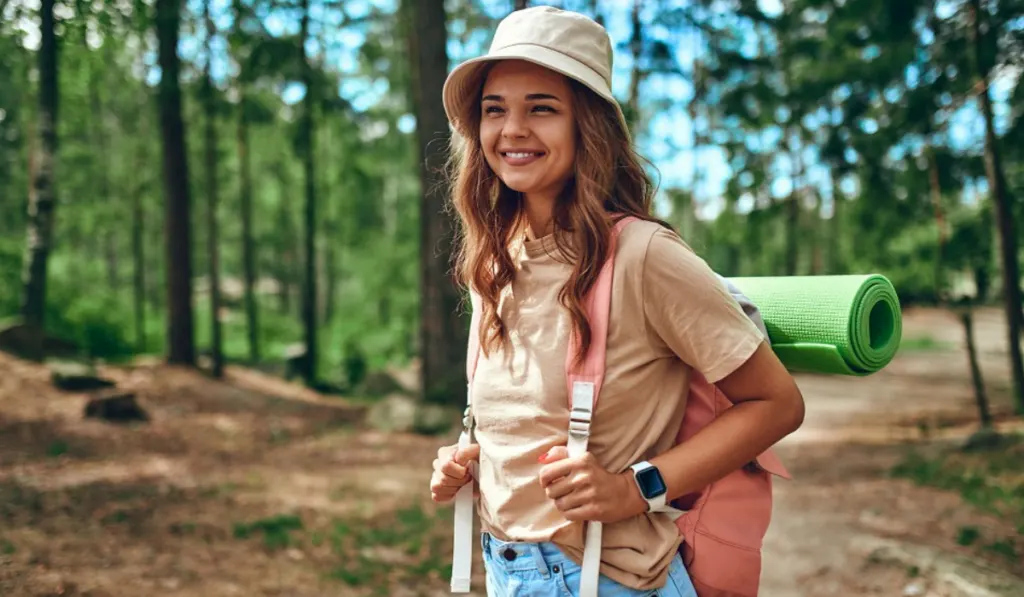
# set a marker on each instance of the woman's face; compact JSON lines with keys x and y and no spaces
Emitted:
{"x":527,"y":128}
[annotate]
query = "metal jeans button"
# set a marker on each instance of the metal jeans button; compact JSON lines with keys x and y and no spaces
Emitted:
{"x":509,"y":554}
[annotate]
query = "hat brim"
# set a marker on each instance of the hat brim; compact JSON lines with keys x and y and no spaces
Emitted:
{"x":464,"y":81}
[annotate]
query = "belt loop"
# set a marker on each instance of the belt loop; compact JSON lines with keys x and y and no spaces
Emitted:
{"x":485,"y":542}
{"x":538,"y":559}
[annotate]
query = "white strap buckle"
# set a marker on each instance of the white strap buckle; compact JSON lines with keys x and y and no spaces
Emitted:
{"x":579,"y":429}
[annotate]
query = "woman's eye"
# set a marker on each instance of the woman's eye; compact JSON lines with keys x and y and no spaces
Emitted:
{"x":492,"y":110}
{"x":543,"y":109}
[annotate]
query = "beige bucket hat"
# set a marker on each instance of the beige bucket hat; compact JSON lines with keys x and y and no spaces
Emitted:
{"x":566,"y":42}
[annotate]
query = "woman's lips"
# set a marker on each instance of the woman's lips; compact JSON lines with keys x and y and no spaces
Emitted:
{"x":521,"y":158}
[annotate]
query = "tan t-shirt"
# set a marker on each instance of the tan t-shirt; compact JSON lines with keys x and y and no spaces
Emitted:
{"x":669,"y":313}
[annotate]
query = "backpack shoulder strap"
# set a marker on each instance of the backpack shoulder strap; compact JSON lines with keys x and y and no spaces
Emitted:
{"x":585,"y":382}
{"x":462,"y":557}
{"x":473,"y":347}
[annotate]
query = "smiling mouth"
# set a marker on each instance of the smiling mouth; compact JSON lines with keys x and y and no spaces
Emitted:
{"x":522,"y":154}
{"x":520,"y":158}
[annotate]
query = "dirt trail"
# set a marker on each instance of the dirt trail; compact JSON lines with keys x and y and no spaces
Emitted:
{"x":841,"y":504}
{"x":257,"y":487}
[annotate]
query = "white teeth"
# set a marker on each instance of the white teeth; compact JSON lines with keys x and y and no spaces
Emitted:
{"x":519,"y":155}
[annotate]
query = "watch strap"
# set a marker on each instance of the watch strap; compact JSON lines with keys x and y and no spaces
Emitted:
{"x":657,"y":503}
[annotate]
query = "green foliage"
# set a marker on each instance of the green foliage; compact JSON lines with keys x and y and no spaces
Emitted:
{"x":882,"y":125}
{"x":11,"y":250}
{"x":365,"y":549}
{"x":991,"y":480}
{"x":967,"y":536}
{"x":419,"y":535}
{"x":924,"y":344}
{"x":275,"y":529}
{"x":57,"y":448}
{"x":95,"y":321}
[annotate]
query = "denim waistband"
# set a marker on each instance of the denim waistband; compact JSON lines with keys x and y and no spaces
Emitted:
{"x":512,"y":556}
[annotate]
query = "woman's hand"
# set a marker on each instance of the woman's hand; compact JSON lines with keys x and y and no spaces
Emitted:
{"x":583,"y":490}
{"x":451,"y":471}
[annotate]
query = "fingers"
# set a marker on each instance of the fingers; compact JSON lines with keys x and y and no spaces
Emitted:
{"x":464,"y":455}
{"x":581,"y":513}
{"x":554,"y":454}
{"x":570,"y":491}
{"x":572,"y":501}
{"x":442,"y":495}
{"x":451,"y":471}
{"x":573,"y":496}
{"x":559,"y":488}
{"x":550,"y":473}
{"x":444,"y":488}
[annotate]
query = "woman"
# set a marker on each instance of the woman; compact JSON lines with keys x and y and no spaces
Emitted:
{"x":544,"y":167}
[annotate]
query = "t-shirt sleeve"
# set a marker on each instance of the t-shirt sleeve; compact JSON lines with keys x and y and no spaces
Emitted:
{"x":689,"y":309}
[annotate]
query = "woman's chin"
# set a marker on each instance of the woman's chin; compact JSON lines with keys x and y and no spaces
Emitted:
{"x":519,"y":184}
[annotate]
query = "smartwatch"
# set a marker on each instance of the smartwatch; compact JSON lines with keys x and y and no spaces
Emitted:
{"x":651,"y":484}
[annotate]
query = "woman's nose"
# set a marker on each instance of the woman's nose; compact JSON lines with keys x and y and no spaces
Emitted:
{"x":515,"y":126}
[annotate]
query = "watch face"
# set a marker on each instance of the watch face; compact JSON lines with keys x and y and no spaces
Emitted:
{"x":650,"y":482}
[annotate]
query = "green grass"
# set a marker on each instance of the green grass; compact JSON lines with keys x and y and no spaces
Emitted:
{"x":57,"y":448}
{"x":925,"y":344}
{"x":405,"y":546}
{"x":116,"y":517}
{"x":418,"y":536}
{"x":276,"y":530}
{"x":990,"y":480}
{"x":968,"y":536}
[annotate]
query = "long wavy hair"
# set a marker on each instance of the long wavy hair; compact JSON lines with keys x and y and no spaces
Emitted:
{"x":609,"y":183}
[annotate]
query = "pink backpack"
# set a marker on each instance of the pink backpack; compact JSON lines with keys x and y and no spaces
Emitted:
{"x":722,"y":527}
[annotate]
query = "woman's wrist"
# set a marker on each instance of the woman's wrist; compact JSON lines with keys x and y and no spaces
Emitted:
{"x":633,"y":502}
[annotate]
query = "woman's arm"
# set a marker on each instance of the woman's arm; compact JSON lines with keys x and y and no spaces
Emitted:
{"x":768,"y":407}
{"x":689,"y":315}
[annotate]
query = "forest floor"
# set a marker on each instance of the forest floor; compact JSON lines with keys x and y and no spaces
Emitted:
{"x":253,"y":486}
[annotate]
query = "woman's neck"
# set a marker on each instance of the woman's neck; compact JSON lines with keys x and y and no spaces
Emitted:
{"x":540,"y":211}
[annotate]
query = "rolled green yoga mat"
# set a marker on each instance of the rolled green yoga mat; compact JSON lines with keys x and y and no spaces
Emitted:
{"x":847,"y":325}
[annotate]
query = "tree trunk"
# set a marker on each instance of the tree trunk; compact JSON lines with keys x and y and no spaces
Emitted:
{"x":834,"y":252}
{"x":107,"y":204}
{"x":817,"y":224}
{"x":178,"y":239}
{"x":248,"y":252}
{"x":138,"y":225}
{"x":285,"y":267}
{"x":792,"y":222}
{"x":332,"y":238}
{"x":330,"y":274}
{"x":443,"y":332}
{"x":636,"y":75}
{"x":306,"y":135}
{"x":935,"y":186}
{"x":42,"y":192}
{"x":520,"y":4}
{"x":1004,"y":213}
{"x":245,"y":200}
{"x":980,"y":397}
{"x":210,"y":157}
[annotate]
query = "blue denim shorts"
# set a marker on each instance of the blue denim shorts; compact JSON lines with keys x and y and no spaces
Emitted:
{"x":543,"y":570}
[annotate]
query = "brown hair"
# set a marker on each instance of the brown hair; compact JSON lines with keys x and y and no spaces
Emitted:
{"x":609,"y":183}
